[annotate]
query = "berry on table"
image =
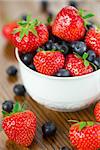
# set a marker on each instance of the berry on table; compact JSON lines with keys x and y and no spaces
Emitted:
{"x":79,"y":47}
{"x":12,"y":71}
{"x":19,"y":90}
{"x":85,"y":135}
{"x":20,"y":125}
{"x":64,"y":148}
{"x":91,"y":55}
{"x":49,"y":129}
{"x":27,"y":58}
{"x":7,"y":106}
{"x":24,"y":17}
{"x":63,"y":73}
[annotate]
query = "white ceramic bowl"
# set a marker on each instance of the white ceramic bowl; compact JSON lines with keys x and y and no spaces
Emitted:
{"x":58,"y":93}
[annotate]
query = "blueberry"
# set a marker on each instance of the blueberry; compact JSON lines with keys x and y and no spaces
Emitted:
{"x":54,"y":46}
{"x":91,"y":55}
{"x":65,"y":48}
{"x":12,"y":71}
{"x":97,"y":62}
{"x":48,"y":46}
{"x":27,"y":58}
{"x":49,"y":129}
{"x":31,"y":66}
{"x":24,"y":17}
{"x":63,"y":73}
{"x":79,"y":47}
{"x":7,"y":106}
{"x":19,"y":90}
{"x":64,"y":148}
{"x":73,"y":3}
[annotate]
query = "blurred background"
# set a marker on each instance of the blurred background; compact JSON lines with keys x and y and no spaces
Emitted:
{"x":12,"y":9}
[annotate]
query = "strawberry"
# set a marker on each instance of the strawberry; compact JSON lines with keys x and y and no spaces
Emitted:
{"x":70,"y":23}
{"x":77,"y":66}
{"x":92,"y":40}
{"x":49,"y":62}
{"x":29,"y":35}
{"x":20,"y":126}
{"x":97,"y":112}
{"x":85,"y":135}
{"x":8,"y":29}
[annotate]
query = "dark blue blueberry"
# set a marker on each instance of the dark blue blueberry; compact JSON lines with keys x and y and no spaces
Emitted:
{"x":97,"y":62}
{"x":91,"y":55}
{"x":31,"y":66}
{"x":44,"y":5}
{"x":19,"y":90}
{"x":49,"y":129}
{"x":64,"y":148}
{"x":73,"y":3}
{"x":54,"y":46}
{"x":63,"y":73}
{"x":48,"y":46}
{"x":27,"y":58}
{"x":11,"y":71}
{"x":79,"y":47}
{"x":65,"y":48}
{"x":7,"y":106}
{"x":24,"y":17}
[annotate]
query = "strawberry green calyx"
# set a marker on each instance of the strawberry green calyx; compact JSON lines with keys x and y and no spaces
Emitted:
{"x":49,"y":20}
{"x":84,"y":124}
{"x":85,"y":16}
{"x":24,"y":27}
{"x":17,"y":108}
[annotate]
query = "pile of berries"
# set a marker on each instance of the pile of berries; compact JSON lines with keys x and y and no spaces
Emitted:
{"x":66,"y":47}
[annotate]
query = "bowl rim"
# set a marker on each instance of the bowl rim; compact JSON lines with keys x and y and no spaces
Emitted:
{"x":53,"y":77}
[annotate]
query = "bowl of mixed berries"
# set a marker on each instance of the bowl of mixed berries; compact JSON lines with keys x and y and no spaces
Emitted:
{"x":60,"y":63}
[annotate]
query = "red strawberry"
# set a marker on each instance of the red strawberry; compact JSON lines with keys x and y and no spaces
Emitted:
{"x":30,"y":35}
{"x":8,"y":29}
{"x":68,"y":25}
{"x":92,"y":40}
{"x":48,"y":62}
{"x":76,"y":66}
{"x":85,"y":136}
{"x":20,"y":127}
{"x":97,"y":112}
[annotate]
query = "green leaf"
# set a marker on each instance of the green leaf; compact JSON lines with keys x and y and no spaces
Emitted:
{"x":23,"y":32}
{"x":81,"y":12}
{"x":86,"y":63}
{"x":85,"y":56}
{"x":22,"y":22}
{"x":4,"y":113}
{"x":17,"y":107}
{"x":82,"y":125}
{"x":28,"y":18}
{"x":16,"y":30}
{"x":88,"y":16}
{"x":49,"y":20}
{"x":34,"y":31}
{"x":90,"y":123}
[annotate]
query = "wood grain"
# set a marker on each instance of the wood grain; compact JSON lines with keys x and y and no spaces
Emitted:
{"x":7,"y":57}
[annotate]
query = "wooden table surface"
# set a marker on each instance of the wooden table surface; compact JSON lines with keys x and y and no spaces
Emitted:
{"x":61,"y":138}
{"x":7,"y":58}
